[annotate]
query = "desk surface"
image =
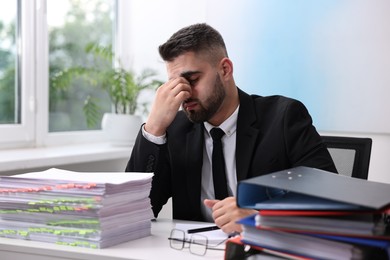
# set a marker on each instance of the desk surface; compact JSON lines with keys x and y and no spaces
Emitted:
{"x":155,"y":246}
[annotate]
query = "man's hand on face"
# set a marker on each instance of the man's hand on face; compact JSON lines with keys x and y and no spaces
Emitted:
{"x":168,"y":99}
{"x":226,"y":214}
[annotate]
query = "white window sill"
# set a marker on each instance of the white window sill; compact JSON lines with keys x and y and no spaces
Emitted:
{"x":30,"y":158}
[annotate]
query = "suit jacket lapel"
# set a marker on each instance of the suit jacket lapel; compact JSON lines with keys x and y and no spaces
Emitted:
{"x":246,"y":135}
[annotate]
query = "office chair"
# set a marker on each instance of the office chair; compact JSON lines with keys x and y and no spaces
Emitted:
{"x":351,"y":155}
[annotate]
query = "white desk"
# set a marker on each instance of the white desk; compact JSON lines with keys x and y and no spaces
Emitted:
{"x":155,"y":246}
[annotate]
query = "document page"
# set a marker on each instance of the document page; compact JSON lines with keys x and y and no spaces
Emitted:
{"x":98,"y":177}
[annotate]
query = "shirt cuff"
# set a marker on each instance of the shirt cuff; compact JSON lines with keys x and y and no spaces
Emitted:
{"x":152,"y":138}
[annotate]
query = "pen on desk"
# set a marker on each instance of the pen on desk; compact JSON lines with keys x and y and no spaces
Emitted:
{"x":204,"y":229}
{"x":233,"y":234}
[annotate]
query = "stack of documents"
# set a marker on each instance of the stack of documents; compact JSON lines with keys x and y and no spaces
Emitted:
{"x":94,"y":210}
{"x":309,"y":213}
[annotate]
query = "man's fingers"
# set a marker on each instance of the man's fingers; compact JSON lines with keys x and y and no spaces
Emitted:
{"x":168,"y":99}
{"x":176,"y":91}
{"x":210,"y":203}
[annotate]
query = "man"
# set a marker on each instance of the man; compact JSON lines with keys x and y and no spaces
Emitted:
{"x":262,"y":134}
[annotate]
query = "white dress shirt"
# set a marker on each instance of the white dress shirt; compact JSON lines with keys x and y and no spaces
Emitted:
{"x":229,"y":126}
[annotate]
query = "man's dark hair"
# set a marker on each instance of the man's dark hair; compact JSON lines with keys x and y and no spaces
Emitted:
{"x":196,"y":38}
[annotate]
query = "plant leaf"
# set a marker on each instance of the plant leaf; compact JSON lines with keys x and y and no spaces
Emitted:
{"x":92,"y":111}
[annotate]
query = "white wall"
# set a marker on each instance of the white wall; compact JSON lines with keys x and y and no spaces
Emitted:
{"x":333,"y":55}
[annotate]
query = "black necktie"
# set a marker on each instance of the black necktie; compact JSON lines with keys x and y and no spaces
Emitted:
{"x":218,"y":164}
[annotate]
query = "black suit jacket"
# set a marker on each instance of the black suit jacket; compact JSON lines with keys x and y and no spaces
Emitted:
{"x":273,"y":133}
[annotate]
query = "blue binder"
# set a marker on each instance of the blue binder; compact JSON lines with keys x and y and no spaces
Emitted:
{"x":305,"y":188}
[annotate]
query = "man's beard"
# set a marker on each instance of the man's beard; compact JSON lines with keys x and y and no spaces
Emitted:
{"x":210,"y":106}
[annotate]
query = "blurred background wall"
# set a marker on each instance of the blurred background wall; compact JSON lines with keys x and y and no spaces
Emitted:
{"x":333,"y":55}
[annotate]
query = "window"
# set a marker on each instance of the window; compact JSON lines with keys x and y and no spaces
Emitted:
{"x":9,"y":83}
{"x":37,"y":40}
{"x":17,"y":125}
{"x":72,"y":25}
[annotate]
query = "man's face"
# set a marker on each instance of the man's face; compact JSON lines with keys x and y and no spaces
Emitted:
{"x":208,"y":92}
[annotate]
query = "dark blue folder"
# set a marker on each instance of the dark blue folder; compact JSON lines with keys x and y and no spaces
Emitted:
{"x":304,"y":188}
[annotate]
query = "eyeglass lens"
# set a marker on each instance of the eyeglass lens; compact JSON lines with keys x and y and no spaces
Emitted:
{"x":177,"y":239}
{"x":198,"y":244}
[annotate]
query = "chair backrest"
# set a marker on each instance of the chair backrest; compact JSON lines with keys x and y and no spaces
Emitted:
{"x":351,"y":155}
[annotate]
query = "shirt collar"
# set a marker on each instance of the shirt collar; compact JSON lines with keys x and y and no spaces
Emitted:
{"x":229,"y":126}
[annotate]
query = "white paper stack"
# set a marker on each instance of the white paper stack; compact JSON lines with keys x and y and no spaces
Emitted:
{"x":95,"y":210}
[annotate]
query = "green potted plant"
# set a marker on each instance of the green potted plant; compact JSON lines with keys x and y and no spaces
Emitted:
{"x":122,"y":86}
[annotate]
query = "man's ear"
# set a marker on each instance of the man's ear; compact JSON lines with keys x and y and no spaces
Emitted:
{"x":226,"y":67}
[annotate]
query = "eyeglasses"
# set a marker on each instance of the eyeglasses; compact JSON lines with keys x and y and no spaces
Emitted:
{"x":198,"y":244}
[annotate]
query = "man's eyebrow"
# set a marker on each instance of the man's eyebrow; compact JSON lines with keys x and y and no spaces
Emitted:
{"x":188,"y":74}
